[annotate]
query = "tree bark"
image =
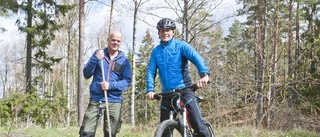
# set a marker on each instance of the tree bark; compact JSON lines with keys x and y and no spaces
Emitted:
{"x":29,"y":49}
{"x":133,"y":84}
{"x":111,"y":14}
{"x":290,"y":35}
{"x":260,"y":60}
{"x":80,"y":62}
{"x":273,"y":73}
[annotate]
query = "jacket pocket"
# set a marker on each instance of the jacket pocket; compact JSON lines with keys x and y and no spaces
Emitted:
{"x":117,"y":67}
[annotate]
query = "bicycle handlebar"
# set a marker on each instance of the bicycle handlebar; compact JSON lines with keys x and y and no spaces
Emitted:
{"x":177,"y":90}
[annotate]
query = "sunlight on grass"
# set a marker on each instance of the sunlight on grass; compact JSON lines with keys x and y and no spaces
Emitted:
{"x":52,"y":132}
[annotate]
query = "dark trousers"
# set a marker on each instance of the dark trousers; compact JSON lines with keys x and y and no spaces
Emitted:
{"x":193,"y":109}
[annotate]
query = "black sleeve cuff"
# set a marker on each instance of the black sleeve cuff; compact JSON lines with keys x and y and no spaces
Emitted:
{"x":203,"y":74}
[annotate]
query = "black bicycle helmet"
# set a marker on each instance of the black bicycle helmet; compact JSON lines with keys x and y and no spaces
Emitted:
{"x":166,"y":23}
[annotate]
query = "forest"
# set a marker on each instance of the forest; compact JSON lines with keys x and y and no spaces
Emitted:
{"x":265,"y":72}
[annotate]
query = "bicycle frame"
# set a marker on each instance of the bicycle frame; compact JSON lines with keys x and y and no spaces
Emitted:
{"x":181,"y":122}
{"x":180,"y":108}
{"x":185,"y":121}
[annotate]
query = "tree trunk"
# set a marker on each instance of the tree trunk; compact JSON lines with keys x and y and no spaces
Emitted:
{"x":133,"y":84}
{"x":111,"y":14}
{"x":185,"y":22}
{"x":80,"y":62}
{"x":273,"y":74}
{"x":5,"y":81}
{"x":297,"y":44}
{"x":67,"y":69}
{"x":29,"y":49}
{"x":260,"y":60}
{"x":298,"y":63}
{"x":290,"y":35}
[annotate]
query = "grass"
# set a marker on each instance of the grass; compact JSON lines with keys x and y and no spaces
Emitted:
{"x":145,"y":131}
{"x":253,"y":132}
{"x":126,"y":131}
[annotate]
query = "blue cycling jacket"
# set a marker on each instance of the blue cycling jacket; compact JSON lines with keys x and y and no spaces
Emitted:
{"x":172,"y":62}
{"x":117,"y":73}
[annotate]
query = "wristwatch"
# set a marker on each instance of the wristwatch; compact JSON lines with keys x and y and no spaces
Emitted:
{"x":203,"y":74}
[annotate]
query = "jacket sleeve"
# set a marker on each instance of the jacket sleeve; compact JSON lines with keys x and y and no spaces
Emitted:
{"x":151,"y":72}
{"x":126,"y":78}
{"x":90,"y":67}
{"x":191,"y":54}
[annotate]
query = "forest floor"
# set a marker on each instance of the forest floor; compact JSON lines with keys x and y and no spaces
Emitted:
{"x":145,"y":131}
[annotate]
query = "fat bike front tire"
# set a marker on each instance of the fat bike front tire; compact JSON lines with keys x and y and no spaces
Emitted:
{"x":210,"y":128}
{"x":169,"y":125}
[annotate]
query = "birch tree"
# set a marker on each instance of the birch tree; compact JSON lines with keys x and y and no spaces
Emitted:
{"x":81,"y":62}
{"x":137,"y":5}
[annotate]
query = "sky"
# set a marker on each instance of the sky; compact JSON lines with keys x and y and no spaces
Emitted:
{"x":98,"y":14}
{"x":227,"y":7}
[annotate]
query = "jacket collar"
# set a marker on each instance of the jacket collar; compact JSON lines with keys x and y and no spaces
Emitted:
{"x":168,"y":43}
{"x":120,"y":54}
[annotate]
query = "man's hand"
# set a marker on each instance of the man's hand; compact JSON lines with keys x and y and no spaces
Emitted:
{"x":100,"y":54}
{"x":203,"y":81}
{"x":104,"y":85}
{"x":150,"y":95}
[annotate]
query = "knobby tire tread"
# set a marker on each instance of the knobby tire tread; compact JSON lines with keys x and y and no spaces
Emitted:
{"x":166,"y":124}
{"x":210,"y":128}
{"x":174,"y":124}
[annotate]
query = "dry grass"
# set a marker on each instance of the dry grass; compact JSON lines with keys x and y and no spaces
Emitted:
{"x":145,"y":131}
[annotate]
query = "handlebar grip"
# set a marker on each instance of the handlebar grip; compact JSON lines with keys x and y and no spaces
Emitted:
{"x":156,"y":96}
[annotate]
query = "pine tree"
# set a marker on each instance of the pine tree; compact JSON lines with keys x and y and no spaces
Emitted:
{"x":40,"y":27}
{"x":141,"y":67}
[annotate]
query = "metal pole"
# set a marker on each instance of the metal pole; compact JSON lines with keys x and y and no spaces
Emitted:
{"x":105,"y":93}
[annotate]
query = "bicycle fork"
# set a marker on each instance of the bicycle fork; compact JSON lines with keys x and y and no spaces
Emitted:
{"x":183,"y":121}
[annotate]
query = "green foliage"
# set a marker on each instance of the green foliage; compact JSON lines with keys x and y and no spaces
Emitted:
{"x":5,"y":112}
{"x":312,"y":94}
{"x":33,"y":107}
{"x":300,"y":133}
{"x":142,"y":61}
{"x":284,"y":37}
{"x":9,"y":5}
{"x":63,"y":9}
{"x":40,"y":27}
{"x":308,"y":67}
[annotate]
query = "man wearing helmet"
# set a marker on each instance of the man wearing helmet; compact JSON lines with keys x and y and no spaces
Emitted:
{"x":171,"y":58}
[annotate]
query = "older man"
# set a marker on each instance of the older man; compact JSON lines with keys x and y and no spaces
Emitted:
{"x":117,"y":78}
